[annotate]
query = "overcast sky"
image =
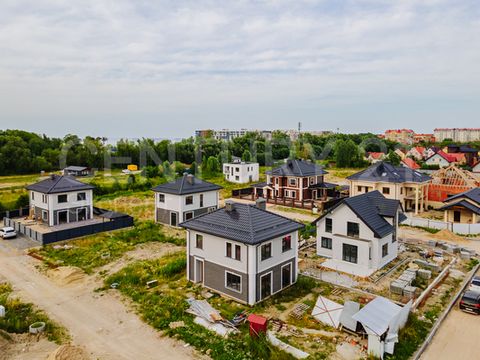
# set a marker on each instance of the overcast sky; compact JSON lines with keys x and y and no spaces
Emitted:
{"x":132,"y":68}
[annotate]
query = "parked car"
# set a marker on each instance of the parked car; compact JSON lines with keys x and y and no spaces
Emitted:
{"x":475,"y":284}
{"x":470,"y":302}
{"x":7,"y":233}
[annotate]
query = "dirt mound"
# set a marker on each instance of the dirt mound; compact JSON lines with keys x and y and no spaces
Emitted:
{"x":66,"y":275}
{"x":447,"y":235}
{"x":69,"y":352}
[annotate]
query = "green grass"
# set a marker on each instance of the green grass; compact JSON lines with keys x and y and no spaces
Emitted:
{"x":86,"y":252}
{"x":427,"y":229}
{"x":19,"y":316}
{"x":226,"y":192}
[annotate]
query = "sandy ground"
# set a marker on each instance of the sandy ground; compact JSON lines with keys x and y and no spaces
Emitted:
{"x":100,"y":323}
{"x":456,"y":339}
{"x":23,"y":347}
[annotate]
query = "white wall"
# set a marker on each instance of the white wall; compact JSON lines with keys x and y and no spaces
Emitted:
{"x":437,"y":160}
{"x":240,"y":173}
{"x":277,"y":255}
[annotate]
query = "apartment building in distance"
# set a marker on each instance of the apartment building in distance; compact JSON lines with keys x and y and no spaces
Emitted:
{"x":402,"y":136}
{"x":457,"y":134}
{"x":229,"y":134}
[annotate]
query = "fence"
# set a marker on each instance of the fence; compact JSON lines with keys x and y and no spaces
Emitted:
{"x":15,"y":213}
{"x":464,"y":229}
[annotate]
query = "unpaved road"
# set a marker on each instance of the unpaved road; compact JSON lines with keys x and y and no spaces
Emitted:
{"x":457,"y":338}
{"x":101,"y":324}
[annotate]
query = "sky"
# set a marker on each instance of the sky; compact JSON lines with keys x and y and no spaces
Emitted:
{"x":162,"y":69}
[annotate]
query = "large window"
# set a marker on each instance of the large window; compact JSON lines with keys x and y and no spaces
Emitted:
{"x":188,"y":215}
{"x":189,"y":200}
{"x":161,"y":198}
{"x":292,"y":181}
{"x":81,"y":196}
{"x":384,"y":250}
{"x":326,"y":243}
{"x":286,"y":243}
{"x":201,"y":200}
{"x":350,"y":253}
{"x":328,"y":225}
{"x":33,"y":195}
{"x":62,"y":198}
{"x":386,"y":190}
{"x":233,"y":282}
{"x":353,"y":230}
{"x":199,"y":241}
{"x":266,"y":251}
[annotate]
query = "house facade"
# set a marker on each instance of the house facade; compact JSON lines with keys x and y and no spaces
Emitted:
{"x":183,"y":199}
{"x":401,"y":183}
{"x":463,"y":208}
{"x":417,"y":153}
{"x":242,"y":251}
{"x":374,"y":157}
{"x":442,"y":159}
{"x":359,"y":235}
{"x":60,"y":199}
{"x":297,"y":180}
{"x":241,"y":172}
{"x":77,"y":171}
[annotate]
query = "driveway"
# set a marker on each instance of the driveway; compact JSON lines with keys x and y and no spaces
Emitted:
{"x":99,"y":322}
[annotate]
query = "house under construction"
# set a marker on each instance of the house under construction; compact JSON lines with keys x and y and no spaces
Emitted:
{"x":450,"y":181}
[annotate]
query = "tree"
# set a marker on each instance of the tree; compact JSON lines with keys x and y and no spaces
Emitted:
{"x":347,"y":154}
{"x":393,"y":158}
{"x":247,"y":156}
{"x":22,"y":201}
{"x":213,"y":166}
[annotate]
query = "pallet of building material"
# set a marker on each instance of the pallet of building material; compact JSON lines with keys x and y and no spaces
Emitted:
{"x":407,"y":278}
{"x":438,"y":252}
{"x":411,"y":271}
{"x":425,"y":274}
{"x":432,"y":243}
{"x":299,"y":310}
{"x":428,"y":265}
{"x":337,"y":291}
{"x":397,"y":286}
{"x":465,"y":255}
{"x":410,"y":292}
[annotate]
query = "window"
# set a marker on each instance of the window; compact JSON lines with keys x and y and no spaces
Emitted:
{"x":328,"y":225}
{"x":401,"y":191}
{"x":44,"y":198}
{"x":384,"y":250}
{"x":62,"y":198}
{"x":81,"y":196}
{"x":276,"y":181}
{"x":359,"y":188}
{"x":293,"y":194}
{"x":237,"y":178}
{"x":188,"y":215}
{"x":353,"y":229}
{"x":237,"y":169}
{"x":201,"y":200}
{"x":233,"y":282}
{"x":350,"y":253}
{"x":228,"y":251}
{"x":326,"y":243}
{"x":266,"y":251}
{"x":44,"y":215}
{"x":312,"y":180}
{"x":161,"y":198}
{"x":238,"y":252}
{"x":189,"y":200}
{"x":292,"y":181}
{"x":33,"y":195}
{"x":286,"y":243}
{"x":199,"y":241}
{"x":386,"y":190}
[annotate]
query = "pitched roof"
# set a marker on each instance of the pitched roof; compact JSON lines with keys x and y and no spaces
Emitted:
{"x":411,"y":163}
{"x":453,"y":157}
{"x":76,"y":168}
{"x":59,"y":184}
{"x":377,"y":315}
{"x":245,"y":223}
{"x":376,"y":155}
{"x":297,"y":168}
{"x":183,"y":185}
{"x":473,"y":195}
{"x":463,"y":203}
{"x":385,"y":172}
{"x":372,"y":208}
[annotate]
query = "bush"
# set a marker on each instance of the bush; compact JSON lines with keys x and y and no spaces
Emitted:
{"x":22,"y":201}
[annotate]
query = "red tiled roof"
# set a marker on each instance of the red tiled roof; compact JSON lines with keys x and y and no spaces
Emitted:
{"x":376,"y":155}
{"x":411,"y":163}
{"x":456,"y":157}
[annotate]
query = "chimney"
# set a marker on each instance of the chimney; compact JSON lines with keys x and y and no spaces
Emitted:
{"x":290,"y":163}
{"x":53,"y":176}
{"x":229,"y":205}
{"x":190,"y":178}
{"x":261,"y":203}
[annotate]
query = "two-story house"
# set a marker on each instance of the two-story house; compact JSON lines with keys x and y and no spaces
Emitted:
{"x":401,"y":183}
{"x":61,"y":199}
{"x":359,"y":234}
{"x":299,"y":180}
{"x":184,"y":199}
{"x":243,"y":251}
{"x":241,"y":172}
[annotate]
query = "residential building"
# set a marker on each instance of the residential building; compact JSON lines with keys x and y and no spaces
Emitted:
{"x":402,"y":136}
{"x":431,"y":151}
{"x":457,"y":134}
{"x":471,"y":154}
{"x":243,"y":251}
{"x":61,"y":199}
{"x":410,"y":163}
{"x":417,"y":152}
{"x":427,"y":138}
{"x":359,"y":234}
{"x":297,"y":180}
{"x":463,"y":208}
{"x":442,"y":159}
{"x":374,"y":157}
{"x":241,"y":172}
{"x":185,"y":198}
{"x":229,"y":134}
{"x":394,"y":182}
{"x":77,"y":171}
{"x":400,"y":153}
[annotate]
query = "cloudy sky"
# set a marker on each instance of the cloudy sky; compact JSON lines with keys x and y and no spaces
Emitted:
{"x":164,"y":68}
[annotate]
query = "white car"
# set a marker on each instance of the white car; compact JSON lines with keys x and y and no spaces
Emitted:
{"x":475,"y":284}
{"x":8,"y":233}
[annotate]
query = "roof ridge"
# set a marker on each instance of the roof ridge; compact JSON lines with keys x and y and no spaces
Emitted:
{"x":55,"y":184}
{"x":250,"y":217}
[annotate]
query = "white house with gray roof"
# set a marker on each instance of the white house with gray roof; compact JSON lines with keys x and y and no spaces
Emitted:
{"x":243,"y":251}
{"x":359,"y":234}
{"x":183,"y":199}
{"x":61,"y":199}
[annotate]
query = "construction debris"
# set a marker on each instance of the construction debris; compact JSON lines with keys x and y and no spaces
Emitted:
{"x":327,"y":311}
{"x":209,"y":318}
{"x":299,"y":310}
{"x":297,"y":353}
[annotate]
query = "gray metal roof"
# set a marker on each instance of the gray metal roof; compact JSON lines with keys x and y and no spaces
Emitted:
{"x":377,"y":315}
{"x":473,"y":195}
{"x":59,"y":184}
{"x":299,"y":168}
{"x":372,"y":208}
{"x":463,"y":203}
{"x":183,"y":186}
{"x":245,"y":223}
{"x":385,"y":172}
{"x":76,"y":168}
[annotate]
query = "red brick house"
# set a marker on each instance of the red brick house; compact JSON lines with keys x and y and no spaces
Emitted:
{"x":298,"y":180}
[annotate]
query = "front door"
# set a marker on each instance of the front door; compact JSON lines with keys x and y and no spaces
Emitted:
{"x":286,"y":275}
{"x":198,"y":271}
{"x":266,"y":286}
{"x":62,"y":217}
{"x":82,"y":214}
{"x":456,"y":216}
{"x":173,"y":219}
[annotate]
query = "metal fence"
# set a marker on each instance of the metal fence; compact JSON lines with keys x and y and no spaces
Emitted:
{"x":15,"y":213}
{"x":464,"y":229}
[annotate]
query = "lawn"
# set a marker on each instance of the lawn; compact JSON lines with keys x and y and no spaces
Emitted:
{"x":86,"y":253}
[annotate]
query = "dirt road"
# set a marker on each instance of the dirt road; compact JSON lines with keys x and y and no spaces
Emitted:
{"x":456,"y":339}
{"x":101,"y":324}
